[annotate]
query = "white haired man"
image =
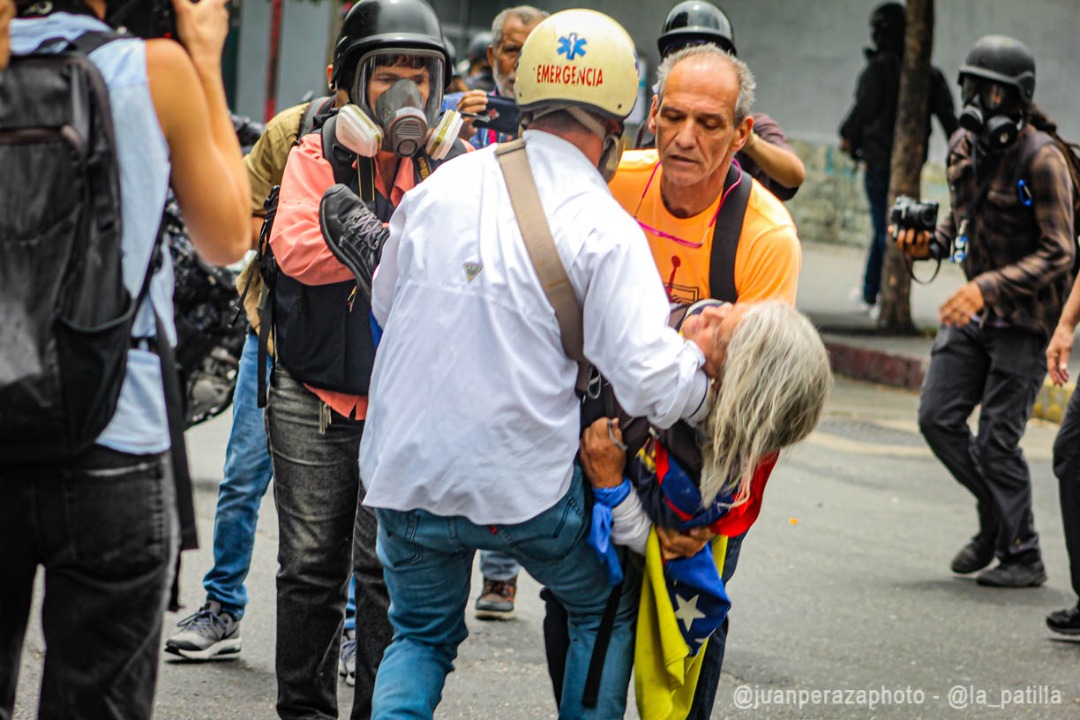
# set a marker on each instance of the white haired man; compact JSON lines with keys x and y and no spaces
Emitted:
{"x":713,"y":231}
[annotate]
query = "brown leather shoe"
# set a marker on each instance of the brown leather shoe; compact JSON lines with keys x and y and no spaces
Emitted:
{"x":497,"y":600}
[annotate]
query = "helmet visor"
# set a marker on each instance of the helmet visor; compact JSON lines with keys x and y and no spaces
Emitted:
{"x":378,"y":71}
{"x":992,"y":95}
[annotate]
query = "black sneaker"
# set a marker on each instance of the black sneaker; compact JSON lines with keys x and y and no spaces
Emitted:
{"x":1014,"y":575}
{"x":974,"y":556}
{"x":1066,"y":622}
{"x":497,"y":600}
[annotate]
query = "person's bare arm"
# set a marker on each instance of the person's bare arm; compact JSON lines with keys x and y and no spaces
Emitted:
{"x":781,"y":165}
{"x":208,"y":176}
{"x":7,"y":12}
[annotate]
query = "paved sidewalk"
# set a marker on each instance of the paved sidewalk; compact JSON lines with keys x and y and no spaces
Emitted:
{"x":857,"y":348}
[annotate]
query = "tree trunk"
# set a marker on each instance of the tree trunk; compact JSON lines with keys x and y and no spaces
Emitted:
{"x":908,"y":156}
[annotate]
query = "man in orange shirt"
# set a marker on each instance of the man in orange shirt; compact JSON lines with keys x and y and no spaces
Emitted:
{"x":714,"y":232}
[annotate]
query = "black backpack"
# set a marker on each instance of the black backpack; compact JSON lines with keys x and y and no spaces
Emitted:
{"x":66,"y":313}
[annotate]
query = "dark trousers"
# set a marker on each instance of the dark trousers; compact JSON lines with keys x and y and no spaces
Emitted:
{"x":104,"y":528}
{"x":1001,"y":370}
{"x":317,"y":493}
{"x":1067,"y":470}
{"x":876,"y":182}
{"x":713,"y":662}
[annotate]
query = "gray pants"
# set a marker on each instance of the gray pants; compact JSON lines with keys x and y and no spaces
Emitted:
{"x":1001,"y":370}
{"x":317,"y":492}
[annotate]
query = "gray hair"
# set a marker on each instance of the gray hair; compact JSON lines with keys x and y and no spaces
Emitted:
{"x":527,"y":14}
{"x":773,"y":388}
{"x":747,"y":84}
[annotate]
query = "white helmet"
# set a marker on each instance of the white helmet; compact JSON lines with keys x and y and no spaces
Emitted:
{"x":578,"y":58}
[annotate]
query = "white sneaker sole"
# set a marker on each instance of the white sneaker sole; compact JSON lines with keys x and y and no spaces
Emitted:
{"x":221,"y":650}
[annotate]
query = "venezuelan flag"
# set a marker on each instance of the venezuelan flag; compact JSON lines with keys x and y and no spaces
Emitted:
{"x":683,"y":602}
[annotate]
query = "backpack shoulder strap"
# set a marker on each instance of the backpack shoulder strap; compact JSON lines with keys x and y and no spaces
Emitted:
{"x":536,"y":233}
{"x":92,"y":40}
{"x":318,"y":106}
{"x":726,"y":232}
{"x":341,"y":161}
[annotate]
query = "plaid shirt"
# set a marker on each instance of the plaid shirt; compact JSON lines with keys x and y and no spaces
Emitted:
{"x":1020,"y":237}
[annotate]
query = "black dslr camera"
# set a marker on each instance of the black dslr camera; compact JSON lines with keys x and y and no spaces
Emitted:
{"x":911,"y":214}
{"x":918,"y":215}
{"x":145,"y":18}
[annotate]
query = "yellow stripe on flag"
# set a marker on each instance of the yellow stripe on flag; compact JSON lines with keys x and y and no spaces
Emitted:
{"x":665,"y":673}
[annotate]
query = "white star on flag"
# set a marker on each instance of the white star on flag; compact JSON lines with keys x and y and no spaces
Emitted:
{"x":687,"y":611}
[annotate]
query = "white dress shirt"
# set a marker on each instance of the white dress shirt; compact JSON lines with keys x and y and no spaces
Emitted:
{"x":472,"y":408}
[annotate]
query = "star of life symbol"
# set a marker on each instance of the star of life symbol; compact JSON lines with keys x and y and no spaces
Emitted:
{"x":472,"y":269}
{"x":572,"y":46}
{"x":687,"y":611}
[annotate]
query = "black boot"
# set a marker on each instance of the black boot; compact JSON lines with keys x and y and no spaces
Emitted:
{"x":1066,"y":622}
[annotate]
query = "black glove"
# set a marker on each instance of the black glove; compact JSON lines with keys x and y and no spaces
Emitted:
{"x":353,"y":233}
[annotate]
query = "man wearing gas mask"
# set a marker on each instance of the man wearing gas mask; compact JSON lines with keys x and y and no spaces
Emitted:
{"x":867,"y":132}
{"x":1011,"y":228}
{"x":341,"y":183}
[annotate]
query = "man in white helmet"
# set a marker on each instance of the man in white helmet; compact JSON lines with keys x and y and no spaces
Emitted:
{"x":473,"y":421}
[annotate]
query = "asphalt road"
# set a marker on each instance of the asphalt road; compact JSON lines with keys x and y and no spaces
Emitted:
{"x":843,"y":604}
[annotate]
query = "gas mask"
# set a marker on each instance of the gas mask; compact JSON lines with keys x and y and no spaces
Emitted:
{"x":990,"y":113}
{"x":400,"y":120}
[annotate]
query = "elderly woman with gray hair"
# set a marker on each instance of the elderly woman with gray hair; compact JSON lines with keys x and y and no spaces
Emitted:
{"x":674,"y":496}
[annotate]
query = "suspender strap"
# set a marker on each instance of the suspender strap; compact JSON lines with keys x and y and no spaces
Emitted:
{"x":536,"y":232}
{"x":726,"y":232}
{"x":603,"y":639}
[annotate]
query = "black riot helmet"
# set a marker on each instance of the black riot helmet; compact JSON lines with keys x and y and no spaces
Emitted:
{"x":374,"y":25}
{"x":1000,"y":59}
{"x":478,"y":47}
{"x":694,"y":23}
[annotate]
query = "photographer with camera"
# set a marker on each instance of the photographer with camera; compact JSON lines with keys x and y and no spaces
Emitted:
{"x":1011,"y":228}
{"x":97,"y":506}
{"x":492,"y":117}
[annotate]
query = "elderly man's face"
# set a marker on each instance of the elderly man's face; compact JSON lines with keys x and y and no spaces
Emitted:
{"x":504,"y":58}
{"x":7,"y":11}
{"x":696,"y":133}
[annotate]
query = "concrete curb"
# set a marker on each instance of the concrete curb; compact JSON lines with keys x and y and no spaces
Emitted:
{"x":907,"y":372}
{"x":878,"y":366}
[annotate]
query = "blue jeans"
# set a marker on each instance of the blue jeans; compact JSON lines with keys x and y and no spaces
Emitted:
{"x":876,"y":181}
{"x":104,"y":528}
{"x":713,"y":662}
{"x":247,"y":475}
{"x":428,"y":562}
{"x":498,"y":566}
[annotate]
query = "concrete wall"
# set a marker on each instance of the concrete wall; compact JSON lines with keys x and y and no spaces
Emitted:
{"x":305,"y":49}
